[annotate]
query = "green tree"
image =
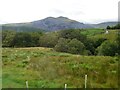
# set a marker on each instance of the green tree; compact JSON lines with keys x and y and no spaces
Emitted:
{"x":7,"y":38}
{"x":62,"y":45}
{"x":22,"y":39}
{"x":76,"y":47}
{"x":98,"y":42}
{"x":108,"y":27}
{"x":89,"y":45}
{"x":117,"y":26}
{"x":73,"y":33}
{"x":114,"y":27}
{"x":92,"y":44}
{"x":108,"y":48}
{"x":48,"y":40}
{"x":35,"y":36}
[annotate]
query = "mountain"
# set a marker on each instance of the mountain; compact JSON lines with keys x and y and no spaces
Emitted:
{"x":53,"y":24}
{"x":59,"y":23}
{"x":48,"y":24}
{"x":104,"y":24}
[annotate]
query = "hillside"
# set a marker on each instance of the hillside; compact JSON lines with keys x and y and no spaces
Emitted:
{"x":104,"y":24}
{"x":60,"y":23}
{"x":53,"y":24}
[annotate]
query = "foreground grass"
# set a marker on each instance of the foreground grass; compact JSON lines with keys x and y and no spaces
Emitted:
{"x":45,"y":68}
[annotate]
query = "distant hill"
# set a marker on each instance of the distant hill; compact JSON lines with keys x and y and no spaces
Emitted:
{"x":104,"y":24}
{"x":23,"y":28}
{"x":53,"y":24}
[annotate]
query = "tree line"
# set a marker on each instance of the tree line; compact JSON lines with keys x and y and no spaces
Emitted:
{"x":114,"y":27}
{"x":70,"y":41}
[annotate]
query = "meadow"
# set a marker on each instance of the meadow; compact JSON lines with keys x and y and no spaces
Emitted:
{"x":46,"y":68}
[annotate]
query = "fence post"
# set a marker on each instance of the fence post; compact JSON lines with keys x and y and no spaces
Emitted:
{"x":85,"y":81}
{"x":27,"y":85}
{"x":65,"y":86}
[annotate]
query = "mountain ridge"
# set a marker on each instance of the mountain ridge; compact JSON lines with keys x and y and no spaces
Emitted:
{"x":58,"y":23}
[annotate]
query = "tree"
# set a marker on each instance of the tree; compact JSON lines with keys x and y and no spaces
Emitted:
{"x":114,"y":27}
{"x":108,"y":48}
{"x":98,"y":42}
{"x":73,"y":46}
{"x":76,"y":47}
{"x":73,"y":33}
{"x":108,"y":27}
{"x":7,"y":38}
{"x":117,"y":26}
{"x":92,"y":44}
{"x":48,"y":40}
{"x":22,"y":39}
{"x":89,"y":45}
{"x":35,"y":38}
{"x":62,"y":45}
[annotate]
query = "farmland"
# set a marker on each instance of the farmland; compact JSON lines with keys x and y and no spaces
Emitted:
{"x":46,"y":68}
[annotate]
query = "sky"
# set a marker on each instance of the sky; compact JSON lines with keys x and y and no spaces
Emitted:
{"x":86,"y":11}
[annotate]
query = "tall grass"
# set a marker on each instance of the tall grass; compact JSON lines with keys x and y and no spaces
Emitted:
{"x":45,"y":68}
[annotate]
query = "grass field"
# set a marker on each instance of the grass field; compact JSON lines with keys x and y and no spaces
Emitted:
{"x":110,"y":36}
{"x":45,"y":68}
{"x":92,"y":32}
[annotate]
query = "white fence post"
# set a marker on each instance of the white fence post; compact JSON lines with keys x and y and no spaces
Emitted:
{"x":65,"y":86}
{"x":85,"y":81}
{"x":27,"y":85}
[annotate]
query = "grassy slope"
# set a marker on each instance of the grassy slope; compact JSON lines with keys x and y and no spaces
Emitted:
{"x":92,"y":32}
{"x":43,"y":67}
{"x":110,"y":36}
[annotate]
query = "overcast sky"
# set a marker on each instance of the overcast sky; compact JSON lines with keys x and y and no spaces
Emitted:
{"x":86,"y":11}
